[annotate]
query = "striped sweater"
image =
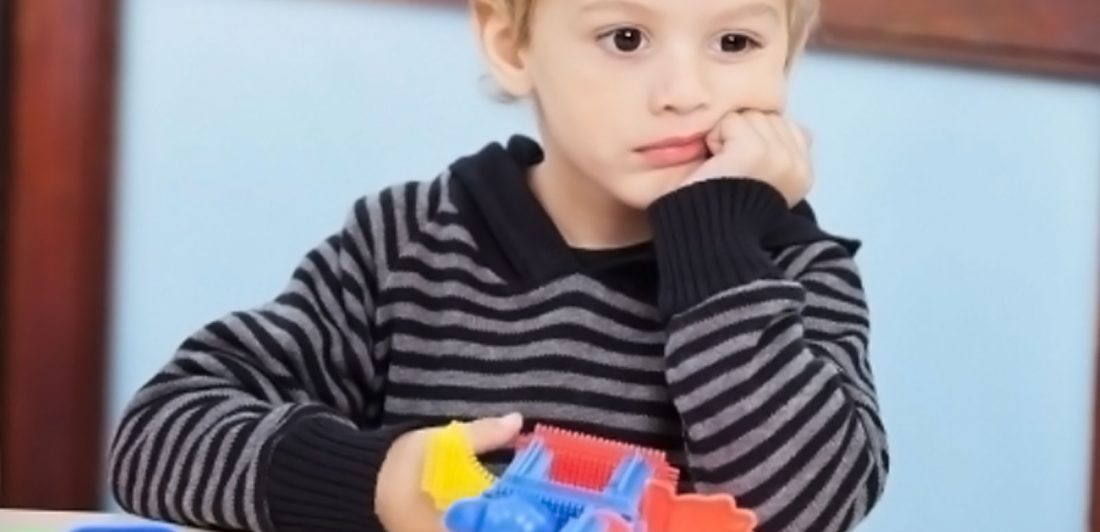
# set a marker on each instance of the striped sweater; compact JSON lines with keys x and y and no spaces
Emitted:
{"x":736,"y":341}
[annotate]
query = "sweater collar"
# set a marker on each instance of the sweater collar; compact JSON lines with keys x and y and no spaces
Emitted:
{"x":513,"y":228}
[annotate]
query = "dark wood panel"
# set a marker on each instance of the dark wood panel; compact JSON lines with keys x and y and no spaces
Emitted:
{"x":6,"y":45}
{"x":57,"y":252}
{"x":1046,"y":36}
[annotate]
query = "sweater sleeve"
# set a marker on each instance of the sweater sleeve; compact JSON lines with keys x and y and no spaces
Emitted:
{"x":767,"y":360}
{"x":259,"y":420}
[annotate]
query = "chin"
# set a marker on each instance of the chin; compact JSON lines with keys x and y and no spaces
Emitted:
{"x":640,"y":192}
{"x":638,"y":189}
{"x":638,"y":203}
{"x":653,"y":184}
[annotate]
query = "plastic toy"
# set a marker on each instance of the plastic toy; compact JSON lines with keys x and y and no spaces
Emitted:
{"x":562,"y":481}
{"x":665,"y":511}
{"x":451,"y":469}
{"x":588,"y":461}
{"x":124,"y":528}
{"x":526,"y":497}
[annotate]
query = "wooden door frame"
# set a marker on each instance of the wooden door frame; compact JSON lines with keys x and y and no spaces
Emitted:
{"x":967,"y":33}
{"x":7,"y":45}
{"x":57,"y":252}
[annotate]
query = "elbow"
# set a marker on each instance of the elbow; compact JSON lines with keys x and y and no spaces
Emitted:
{"x":880,"y":472}
{"x":876,"y":453}
{"x":120,"y":487}
{"x":123,"y":478}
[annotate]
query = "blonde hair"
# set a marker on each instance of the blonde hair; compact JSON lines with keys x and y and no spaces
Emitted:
{"x":803,"y":16}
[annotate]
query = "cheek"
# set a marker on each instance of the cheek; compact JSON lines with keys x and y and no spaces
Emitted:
{"x":581,"y":101}
{"x":762,"y":88}
{"x":561,"y":88}
{"x":568,"y":115}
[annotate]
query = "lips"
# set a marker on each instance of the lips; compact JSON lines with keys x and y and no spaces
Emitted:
{"x":675,"y":151}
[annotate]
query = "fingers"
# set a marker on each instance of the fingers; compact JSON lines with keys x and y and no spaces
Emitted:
{"x":760,"y":145}
{"x":779,"y":131}
{"x":803,"y":139}
{"x":724,"y":132}
{"x":796,"y":140}
{"x":786,"y":131}
{"x":764,"y":126}
{"x":774,"y":155}
{"x":738,"y":129}
{"x":489,"y":434}
{"x":804,"y":166}
{"x":714,"y":141}
{"x":774,"y":129}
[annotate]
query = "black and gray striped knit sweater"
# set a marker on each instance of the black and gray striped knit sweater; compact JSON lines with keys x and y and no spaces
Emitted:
{"x":736,"y":340}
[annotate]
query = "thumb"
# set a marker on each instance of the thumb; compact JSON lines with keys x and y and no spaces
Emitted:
{"x":714,"y":140}
{"x":489,"y":434}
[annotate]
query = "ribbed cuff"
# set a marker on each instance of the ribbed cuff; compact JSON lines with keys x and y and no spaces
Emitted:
{"x":707,"y":237}
{"x":322,"y":475}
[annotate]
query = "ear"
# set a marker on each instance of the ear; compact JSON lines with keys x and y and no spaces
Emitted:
{"x":501,"y":45}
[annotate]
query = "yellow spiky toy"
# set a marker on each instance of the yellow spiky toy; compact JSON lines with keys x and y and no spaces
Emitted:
{"x":451,"y":469}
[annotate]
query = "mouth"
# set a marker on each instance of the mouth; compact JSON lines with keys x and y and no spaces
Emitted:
{"x":675,"y":151}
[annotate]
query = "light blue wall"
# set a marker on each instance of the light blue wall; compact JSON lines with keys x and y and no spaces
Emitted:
{"x":248,"y":127}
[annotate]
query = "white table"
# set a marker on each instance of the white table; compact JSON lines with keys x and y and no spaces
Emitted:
{"x":37,"y":521}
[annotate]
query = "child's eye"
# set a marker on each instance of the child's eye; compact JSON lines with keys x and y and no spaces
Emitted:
{"x":625,"y":40}
{"x":737,"y":43}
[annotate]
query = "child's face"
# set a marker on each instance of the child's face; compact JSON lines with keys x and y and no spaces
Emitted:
{"x":610,"y":77}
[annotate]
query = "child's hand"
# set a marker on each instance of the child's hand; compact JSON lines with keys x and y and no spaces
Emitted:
{"x":762,"y":146}
{"x":399,"y":502}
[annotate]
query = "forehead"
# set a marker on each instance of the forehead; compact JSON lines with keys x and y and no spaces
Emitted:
{"x":668,"y":8}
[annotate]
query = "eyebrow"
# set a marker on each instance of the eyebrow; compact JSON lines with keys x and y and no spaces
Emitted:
{"x":755,"y":9}
{"x":751,"y":10}
{"x":602,"y":5}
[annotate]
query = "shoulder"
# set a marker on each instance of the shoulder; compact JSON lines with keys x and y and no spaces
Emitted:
{"x":382,"y":223}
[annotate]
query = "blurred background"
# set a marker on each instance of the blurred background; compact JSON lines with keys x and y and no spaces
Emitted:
{"x":166,"y":161}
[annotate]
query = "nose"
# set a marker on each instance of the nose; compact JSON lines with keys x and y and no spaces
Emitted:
{"x":681,"y":86}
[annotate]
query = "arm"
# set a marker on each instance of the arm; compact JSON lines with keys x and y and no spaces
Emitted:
{"x":256,"y":422}
{"x":767,"y":360}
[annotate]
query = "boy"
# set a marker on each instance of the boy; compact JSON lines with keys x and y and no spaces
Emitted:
{"x":650,"y":273}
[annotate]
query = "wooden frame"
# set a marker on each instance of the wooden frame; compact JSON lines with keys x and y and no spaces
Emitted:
{"x":7,"y":44}
{"x":57,"y":248}
{"x":1060,"y":37}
